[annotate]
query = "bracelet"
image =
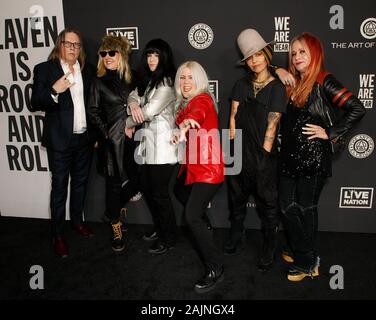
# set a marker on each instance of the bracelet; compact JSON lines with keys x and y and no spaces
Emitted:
{"x":274,"y":67}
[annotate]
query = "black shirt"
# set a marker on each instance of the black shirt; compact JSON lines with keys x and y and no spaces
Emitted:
{"x":252,"y":114}
{"x":273,"y":95}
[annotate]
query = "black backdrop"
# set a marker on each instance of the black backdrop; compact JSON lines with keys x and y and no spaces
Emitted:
{"x":346,"y":202}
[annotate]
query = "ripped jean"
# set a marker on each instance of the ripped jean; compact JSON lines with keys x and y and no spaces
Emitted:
{"x":298,"y":198}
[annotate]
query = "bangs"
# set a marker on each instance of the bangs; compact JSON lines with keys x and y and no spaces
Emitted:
{"x":109,"y":47}
{"x":110,"y":44}
{"x":153,"y":50}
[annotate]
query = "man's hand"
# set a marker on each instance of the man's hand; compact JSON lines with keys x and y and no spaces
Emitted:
{"x":62,"y":84}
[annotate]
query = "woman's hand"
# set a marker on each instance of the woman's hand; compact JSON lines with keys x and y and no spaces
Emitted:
{"x":286,"y":77}
{"x":190,"y":124}
{"x":136,"y":112}
{"x":178,"y":136}
{"x":315,"y":131}
{"x":129,"y":132}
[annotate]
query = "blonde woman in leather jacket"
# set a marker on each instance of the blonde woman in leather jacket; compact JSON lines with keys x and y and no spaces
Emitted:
{"x":106,"y":112}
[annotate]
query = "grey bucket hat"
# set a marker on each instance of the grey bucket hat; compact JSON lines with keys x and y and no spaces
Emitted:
{"x":250,"y":42}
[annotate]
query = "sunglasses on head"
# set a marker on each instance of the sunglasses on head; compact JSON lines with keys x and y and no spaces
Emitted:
{"x":111,"y":53}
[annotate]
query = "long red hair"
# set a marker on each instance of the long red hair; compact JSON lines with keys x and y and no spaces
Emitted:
{"x":304,"y":85}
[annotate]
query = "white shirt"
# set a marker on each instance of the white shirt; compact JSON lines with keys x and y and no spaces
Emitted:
{"x":77,"y":93}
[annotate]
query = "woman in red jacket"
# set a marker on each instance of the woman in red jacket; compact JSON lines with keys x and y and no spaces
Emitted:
{"x":202,"y":171}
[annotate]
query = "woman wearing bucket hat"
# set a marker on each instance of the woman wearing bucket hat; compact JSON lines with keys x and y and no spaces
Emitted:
{"x":108,"y":96}
{"x":258,"y":101}
{"x":308,"y":128}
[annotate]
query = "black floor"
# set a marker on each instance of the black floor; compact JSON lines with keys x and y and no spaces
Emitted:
{"x":93,"y":271}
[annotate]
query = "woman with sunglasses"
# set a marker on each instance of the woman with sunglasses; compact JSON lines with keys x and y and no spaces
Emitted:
{"x":152,"y":105}
{"x":107,"y":112}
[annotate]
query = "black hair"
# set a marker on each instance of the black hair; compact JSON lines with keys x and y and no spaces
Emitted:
{"x":165,"y":69}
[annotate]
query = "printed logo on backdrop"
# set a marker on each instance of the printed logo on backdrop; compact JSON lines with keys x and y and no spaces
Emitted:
{"x":213,"y":88}
{"x":361,"y":146}
{"x":366,"y":89}
{"x":337,"y":21}
{"x":200,"y":36}
{"x":368,"y":28}
{"x":22,"y":131}
{"x":131,"y":33}
{"x":356,"y":197}
{"x":282,"y":34}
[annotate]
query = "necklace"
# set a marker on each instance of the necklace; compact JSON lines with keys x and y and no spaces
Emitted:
{"x":258,"y":85}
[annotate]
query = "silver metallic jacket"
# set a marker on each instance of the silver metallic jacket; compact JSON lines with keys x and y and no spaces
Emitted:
{"x":159,"y":122}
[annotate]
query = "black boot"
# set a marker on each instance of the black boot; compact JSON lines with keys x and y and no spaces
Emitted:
{"x":268,"y":248}
{"x":236,"y":237}
{"x":118,"y":239}
{"x":209,"y":280}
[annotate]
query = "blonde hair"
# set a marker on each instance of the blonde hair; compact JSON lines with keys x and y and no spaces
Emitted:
{"x":199,"y":77}
{"x":122,"y":45}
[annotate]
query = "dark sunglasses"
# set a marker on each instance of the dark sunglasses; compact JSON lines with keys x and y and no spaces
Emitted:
{"x":111,"y":53}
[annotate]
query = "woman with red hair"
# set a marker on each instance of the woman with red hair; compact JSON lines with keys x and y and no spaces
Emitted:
{"x":310,"y":130}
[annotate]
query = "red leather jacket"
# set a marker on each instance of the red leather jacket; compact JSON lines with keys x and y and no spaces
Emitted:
{"x":203,"y":159}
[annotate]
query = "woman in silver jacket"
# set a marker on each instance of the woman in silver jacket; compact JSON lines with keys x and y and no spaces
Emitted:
{"x":152,"y":105}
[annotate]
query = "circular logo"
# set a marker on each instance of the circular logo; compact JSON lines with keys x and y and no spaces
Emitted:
{"x":361,"y":146}
{"x":200,"y":36}
{"x":368,"y":28}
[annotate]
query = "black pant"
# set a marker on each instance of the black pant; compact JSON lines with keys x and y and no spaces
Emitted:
{"x":262,"y":184}
{"x":154,"y":182}
{"x":117,"y":194}
{"x":195,"y":198}
{"x":298,"y":200}
{"x":74,"y":161}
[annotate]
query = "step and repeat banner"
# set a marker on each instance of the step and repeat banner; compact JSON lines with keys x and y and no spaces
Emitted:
{"x":205,"y":31}
{"x":28,"y":30}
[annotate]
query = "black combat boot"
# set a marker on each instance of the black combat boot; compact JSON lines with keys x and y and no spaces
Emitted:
{"x":118,"y":239}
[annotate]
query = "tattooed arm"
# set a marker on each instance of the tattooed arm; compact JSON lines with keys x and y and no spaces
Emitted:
{"x":234,"y":109}
{"x":271,"y":130}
